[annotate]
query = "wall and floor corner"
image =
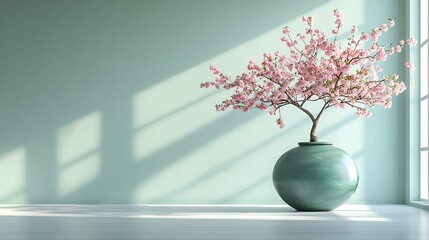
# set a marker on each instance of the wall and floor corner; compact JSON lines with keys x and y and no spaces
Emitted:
{"x":100,"y":102}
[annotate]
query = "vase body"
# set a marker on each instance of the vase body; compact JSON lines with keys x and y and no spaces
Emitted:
{"x":315,"y":177}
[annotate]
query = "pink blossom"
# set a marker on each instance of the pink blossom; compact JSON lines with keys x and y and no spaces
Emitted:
{"x":395,"y":76}
{"x":261,"y":106}
{"x":364,"y":37}
{"x":286,"y":30}
{"x":339,"y":22}
{"x":410,"y":65}
{"x":280,"y":122}
{"x":379,"y":68}
{"x":310,"y":21}
{"x":381,"y":55}
{"x":354,"y":30}
{"x":391,"y":23}
{"x":363,"y":112}
{"x":399,"y":88}
{"x":398,"y":48}
{"x":274,"y":112}
{"x":205,"y":85}
{"x":214,"y":70}
{"x":338,"y":14}
{"x":384,"y":27}
{"x":374,"y":35}
{"x":411,"y":41}
{"x":251,"y":65}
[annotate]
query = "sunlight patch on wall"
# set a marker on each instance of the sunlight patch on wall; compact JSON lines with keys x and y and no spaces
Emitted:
{"x":79,"y":159}
{"x":79,"y":138}
{"x":172,"y":127}
{"x":179,"y":92}
{"x":13,"y":175}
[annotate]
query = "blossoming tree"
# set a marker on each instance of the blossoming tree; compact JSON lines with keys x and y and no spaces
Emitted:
{"x":317,"y":69}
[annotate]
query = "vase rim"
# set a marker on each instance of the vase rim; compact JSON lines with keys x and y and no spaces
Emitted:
{"x":313,"y":143}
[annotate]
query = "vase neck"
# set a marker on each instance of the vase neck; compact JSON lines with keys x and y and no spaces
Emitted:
{"x":314,"y":143}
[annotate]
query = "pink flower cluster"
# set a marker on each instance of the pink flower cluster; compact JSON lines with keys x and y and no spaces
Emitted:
{"x":317,"y":69}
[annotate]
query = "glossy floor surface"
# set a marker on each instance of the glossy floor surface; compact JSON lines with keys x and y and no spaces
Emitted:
{"x":211,"y":222}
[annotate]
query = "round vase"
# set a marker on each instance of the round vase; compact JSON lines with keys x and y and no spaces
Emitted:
{"x":315,"y":177}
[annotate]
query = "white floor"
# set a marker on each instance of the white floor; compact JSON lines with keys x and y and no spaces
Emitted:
{"x":189,"y":222}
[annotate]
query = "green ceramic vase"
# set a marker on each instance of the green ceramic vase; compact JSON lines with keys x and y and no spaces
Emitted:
{"x":315,"y":176}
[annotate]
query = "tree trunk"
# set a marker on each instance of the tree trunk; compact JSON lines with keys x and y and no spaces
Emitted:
{"x":313,"y":137}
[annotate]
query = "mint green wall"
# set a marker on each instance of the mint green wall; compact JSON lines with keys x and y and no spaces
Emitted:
{"x":100,"y":102}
